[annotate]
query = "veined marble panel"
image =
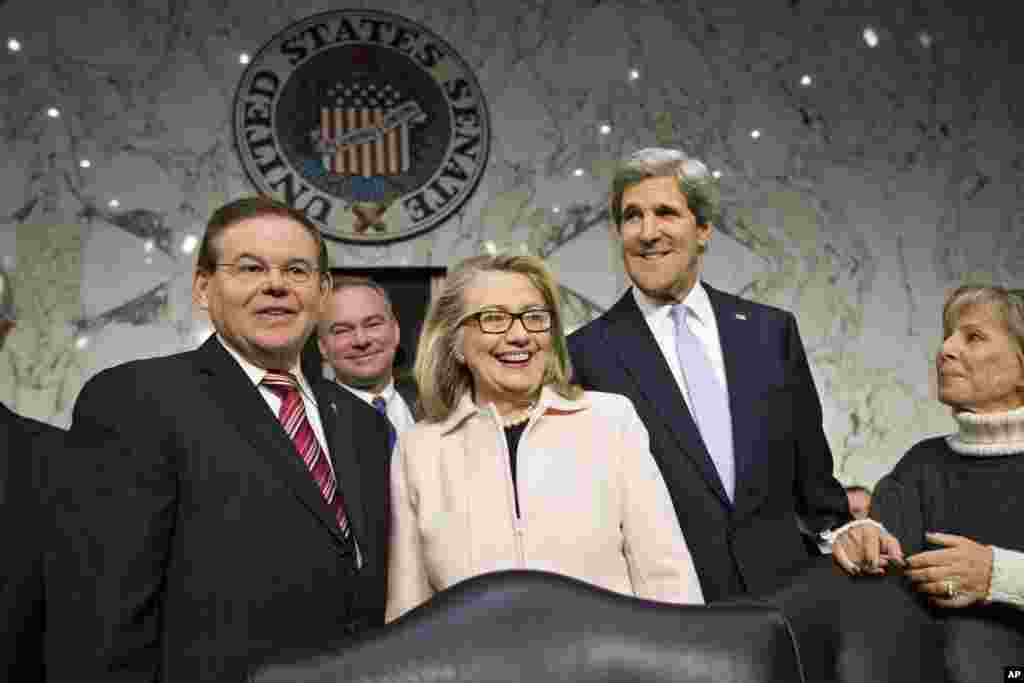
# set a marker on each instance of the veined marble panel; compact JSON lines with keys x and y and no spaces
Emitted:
{"x":870,"y":189}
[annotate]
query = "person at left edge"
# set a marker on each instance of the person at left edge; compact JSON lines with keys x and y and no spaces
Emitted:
{"x":197,"y":540}
{"x":27,"y":450}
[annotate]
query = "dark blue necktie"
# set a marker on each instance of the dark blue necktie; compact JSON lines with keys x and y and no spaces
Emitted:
{"x":382,"y":407}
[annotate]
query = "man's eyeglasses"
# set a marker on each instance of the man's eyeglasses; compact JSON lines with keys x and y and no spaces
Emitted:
{"x":500,"y":322}
{"x":255,"y":272}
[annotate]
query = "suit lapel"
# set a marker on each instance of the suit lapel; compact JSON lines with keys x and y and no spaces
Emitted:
{"x":245,"y":409}
{"x":339,"y":430}
{"x":738,"y":335}
{"x":639,"y":353}
{"x":406,"y":388}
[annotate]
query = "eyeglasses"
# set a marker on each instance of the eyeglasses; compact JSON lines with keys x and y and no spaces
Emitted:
{"x":255,"y":272}
{"x":500,"y":322}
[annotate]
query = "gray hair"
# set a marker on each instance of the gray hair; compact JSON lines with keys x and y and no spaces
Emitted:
{"x":1009,"y":303}
{"x":7,"y":311}
{"x":695,"y":181}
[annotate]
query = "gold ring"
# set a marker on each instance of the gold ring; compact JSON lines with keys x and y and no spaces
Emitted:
{"x":950,"y":588}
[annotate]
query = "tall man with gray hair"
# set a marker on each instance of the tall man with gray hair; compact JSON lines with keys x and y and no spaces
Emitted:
{"x":26,"y":448}
{"x":721,"y":383}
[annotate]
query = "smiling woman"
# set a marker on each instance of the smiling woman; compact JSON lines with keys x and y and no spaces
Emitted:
{"x":513,"y":460}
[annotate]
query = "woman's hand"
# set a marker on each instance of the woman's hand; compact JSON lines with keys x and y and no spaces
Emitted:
{"x":958,"y":575}
{"x":866,"y":549}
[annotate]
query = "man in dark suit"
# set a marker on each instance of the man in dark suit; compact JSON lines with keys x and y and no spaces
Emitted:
{"x":721,"y":383}
{"x":227,"y":508}
{"x":26,"y":449}
{"x":359,"y":335}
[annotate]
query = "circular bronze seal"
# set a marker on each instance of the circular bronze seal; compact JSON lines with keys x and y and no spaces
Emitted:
{"x":369,"y":123}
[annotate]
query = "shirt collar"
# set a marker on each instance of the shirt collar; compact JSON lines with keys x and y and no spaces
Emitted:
{"x":387,"y":393}
{"x":696,"y":300}
{"x":256,"y":373}
{"x":549,"y":402}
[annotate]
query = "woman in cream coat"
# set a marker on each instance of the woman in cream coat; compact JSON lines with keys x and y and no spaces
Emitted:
{"x":515,"y":468}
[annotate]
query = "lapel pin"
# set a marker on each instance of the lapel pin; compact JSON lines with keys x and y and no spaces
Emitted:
{"x":741,"y":316}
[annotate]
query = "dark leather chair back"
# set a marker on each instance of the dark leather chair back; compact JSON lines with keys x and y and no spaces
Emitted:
{"x":981,"y":641}
{"x":538,"y":627}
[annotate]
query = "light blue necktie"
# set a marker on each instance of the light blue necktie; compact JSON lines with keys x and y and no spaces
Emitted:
{"x":708,"y":398}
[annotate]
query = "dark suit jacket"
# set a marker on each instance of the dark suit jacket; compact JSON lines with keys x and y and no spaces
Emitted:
{"x":197,"y":541}
{"x":27,"y":448}
{"x":410,"y":393}
{"x":783,"y":462}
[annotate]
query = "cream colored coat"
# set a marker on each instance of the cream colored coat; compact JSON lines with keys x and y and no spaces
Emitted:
{"x":592,"y":501}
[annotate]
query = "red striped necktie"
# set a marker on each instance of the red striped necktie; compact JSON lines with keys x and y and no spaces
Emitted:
{"x":293,"y":418}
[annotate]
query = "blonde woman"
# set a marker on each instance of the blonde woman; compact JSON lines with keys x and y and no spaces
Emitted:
{"x":516,"y":468}
{"x":951,"y":508}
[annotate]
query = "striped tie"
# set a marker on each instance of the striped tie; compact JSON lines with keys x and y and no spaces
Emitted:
{"x":293,"y":418}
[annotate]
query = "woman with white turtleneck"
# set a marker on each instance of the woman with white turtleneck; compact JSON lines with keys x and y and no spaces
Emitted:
{"x":952,"y":506}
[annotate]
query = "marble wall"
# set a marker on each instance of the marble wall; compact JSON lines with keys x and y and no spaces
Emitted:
{"x":870,"y":159}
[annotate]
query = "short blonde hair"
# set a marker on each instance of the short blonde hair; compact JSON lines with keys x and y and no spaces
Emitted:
{"x":442,"y":378}
{"x":1007,"y":302}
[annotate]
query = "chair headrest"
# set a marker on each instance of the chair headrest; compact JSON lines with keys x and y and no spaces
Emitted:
{"x":541,"y":627}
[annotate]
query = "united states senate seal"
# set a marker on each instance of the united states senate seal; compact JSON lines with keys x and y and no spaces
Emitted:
{"x":368,"y":123}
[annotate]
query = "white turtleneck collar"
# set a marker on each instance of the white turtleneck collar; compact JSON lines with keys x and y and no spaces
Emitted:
{"x":984,"y":434}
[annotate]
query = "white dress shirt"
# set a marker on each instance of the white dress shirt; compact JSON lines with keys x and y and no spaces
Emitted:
{"x":256,"y":375}
{"x":701,"y":322}
{"x":395,"y":406}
